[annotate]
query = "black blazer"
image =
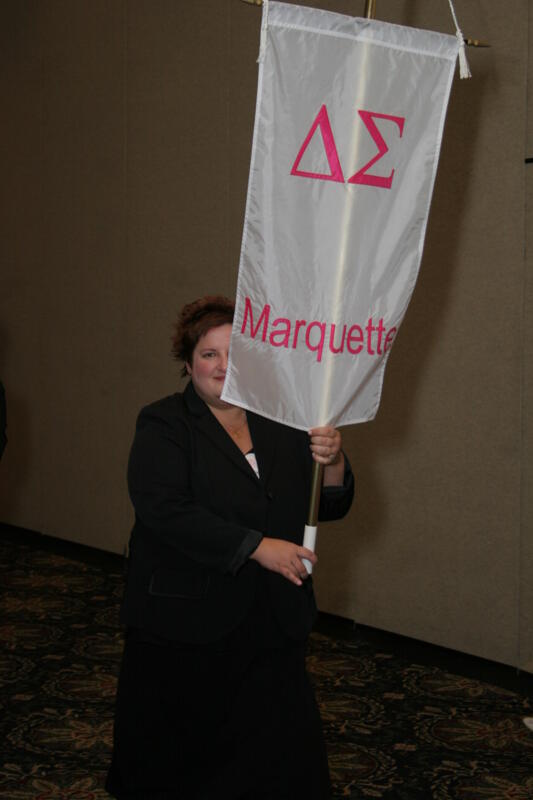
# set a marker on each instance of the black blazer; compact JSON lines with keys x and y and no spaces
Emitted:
{"x":200,"y":511}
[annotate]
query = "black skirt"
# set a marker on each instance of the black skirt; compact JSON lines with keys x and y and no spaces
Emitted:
{"x":232,"y":720}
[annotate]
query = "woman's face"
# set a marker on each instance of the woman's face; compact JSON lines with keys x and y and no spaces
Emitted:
{"x":209,"y":363}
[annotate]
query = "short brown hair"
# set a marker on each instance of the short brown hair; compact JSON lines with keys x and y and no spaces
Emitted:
{"x":195,"y":320}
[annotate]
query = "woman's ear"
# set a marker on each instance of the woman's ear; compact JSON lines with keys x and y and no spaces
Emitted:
{"x":188,"y":368}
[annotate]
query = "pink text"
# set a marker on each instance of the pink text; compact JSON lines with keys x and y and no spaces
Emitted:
{"x":372,"y":338}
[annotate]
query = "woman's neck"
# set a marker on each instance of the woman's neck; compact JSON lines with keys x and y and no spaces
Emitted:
{"x":232,"y":418}
{"x":235,"y":423}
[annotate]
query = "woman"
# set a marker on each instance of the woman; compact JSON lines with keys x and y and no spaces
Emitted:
{"x":213,"y":701}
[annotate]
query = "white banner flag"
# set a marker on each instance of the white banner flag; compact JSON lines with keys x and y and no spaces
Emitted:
{"x":349,"y":120}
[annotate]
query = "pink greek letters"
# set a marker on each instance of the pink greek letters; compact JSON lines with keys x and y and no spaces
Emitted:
{"x":362,"y":176}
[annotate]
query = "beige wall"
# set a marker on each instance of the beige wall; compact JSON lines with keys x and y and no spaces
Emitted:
{"x":525,"y":604}
{"x":127,"y":131}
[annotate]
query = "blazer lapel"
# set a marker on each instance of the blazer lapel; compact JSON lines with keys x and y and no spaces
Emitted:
{"x":207,"y":423}
{"x":264,"y":435}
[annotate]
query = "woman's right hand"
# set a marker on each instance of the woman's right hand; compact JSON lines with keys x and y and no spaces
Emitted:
{"x":284,"y":557}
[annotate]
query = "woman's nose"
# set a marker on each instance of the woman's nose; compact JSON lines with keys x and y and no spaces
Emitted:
{"x":224,"y":361}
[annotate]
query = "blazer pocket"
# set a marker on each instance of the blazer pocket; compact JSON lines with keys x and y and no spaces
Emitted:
{"x":186,"y":584}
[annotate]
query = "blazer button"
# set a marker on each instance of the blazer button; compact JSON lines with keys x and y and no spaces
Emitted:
{"x":270,"y":495}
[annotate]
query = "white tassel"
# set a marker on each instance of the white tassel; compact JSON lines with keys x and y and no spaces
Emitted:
{"x":264,"y":26}
{"x":464,"y":69}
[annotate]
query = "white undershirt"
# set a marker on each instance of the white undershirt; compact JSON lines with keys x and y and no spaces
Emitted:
{"x":252,"y":460}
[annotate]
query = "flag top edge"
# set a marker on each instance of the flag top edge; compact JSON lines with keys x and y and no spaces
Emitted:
{"x":359,"y":28}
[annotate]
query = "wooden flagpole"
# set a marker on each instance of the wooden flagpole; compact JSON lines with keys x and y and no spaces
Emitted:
{"x":318,"y":469}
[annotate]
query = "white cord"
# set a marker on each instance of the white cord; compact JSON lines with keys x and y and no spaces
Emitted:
{"x":464,"y":69}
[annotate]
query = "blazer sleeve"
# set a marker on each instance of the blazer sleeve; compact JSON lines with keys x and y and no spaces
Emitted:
{"x":160,"y":489}
{"x":335,"y":501}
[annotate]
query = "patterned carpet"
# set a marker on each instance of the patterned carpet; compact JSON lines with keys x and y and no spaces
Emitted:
{"x":394,"y":729}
